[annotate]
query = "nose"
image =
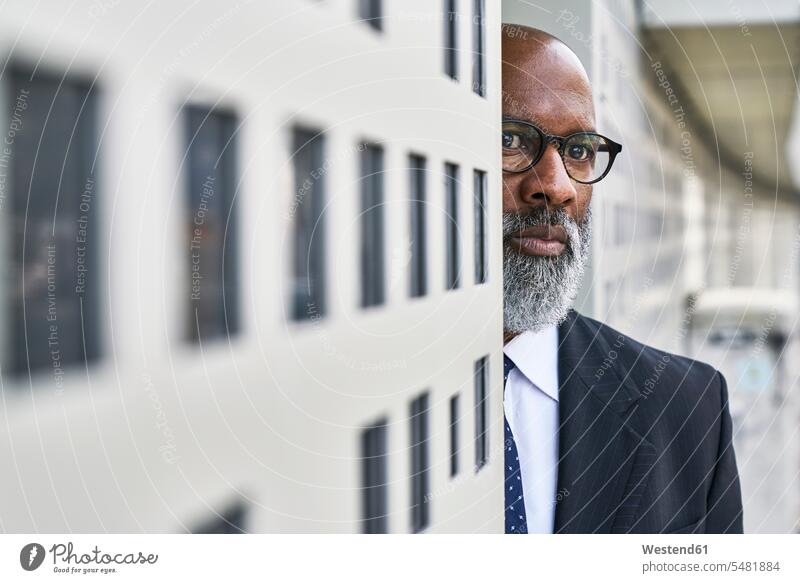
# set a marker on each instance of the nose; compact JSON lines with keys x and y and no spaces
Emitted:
{"x":547,"y":183}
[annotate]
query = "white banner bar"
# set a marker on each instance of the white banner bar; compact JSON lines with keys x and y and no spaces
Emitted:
{"x":407,"y":558}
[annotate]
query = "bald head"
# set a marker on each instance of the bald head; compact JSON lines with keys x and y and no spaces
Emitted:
{"x":545,"y":84}
{"x":546,"y":213}
{"x":543,"y":77}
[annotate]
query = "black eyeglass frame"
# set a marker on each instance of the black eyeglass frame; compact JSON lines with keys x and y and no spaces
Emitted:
{"x":613,"y":149}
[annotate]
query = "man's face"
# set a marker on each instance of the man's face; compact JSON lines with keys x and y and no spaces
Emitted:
{"x":546,"y":214}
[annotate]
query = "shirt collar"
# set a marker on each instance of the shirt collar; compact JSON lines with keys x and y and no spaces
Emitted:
{"x":535,"y":354}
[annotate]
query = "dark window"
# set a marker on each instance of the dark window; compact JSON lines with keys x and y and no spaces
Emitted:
{"x":419,"y":265}
{"x":47,"y":163}
{"x":481,"y":263}
{"x":211,"y":182}
{"x":373,"y":479}
{"x":451,"y":225}
{"x":372,"y":230}
{"x":420,"y":514}
{"x":454,"y":435}
{"x":371,"y":11}
{"x":451,"y":39}
{"x":308,"y":246}
{"x":231,"y":521}
{"x":478,"y":48}
{"x":481,"y":413}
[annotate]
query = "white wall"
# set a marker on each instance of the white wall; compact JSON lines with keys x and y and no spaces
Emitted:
{"x":273,"y":417}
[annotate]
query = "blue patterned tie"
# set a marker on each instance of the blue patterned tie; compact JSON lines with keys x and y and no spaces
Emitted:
{"x":516,"y":521}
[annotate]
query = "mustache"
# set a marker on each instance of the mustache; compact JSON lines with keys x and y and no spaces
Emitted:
{"x":513,"y":222}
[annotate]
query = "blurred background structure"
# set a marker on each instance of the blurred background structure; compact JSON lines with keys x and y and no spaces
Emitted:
{"x":252,"y":251}
{"x":697,"y":228}
{"x":247,"y":279}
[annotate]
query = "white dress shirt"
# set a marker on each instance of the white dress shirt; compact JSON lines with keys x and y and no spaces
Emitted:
{"x":530,"y":402}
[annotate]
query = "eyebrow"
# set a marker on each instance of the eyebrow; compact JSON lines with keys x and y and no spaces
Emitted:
{"x":541,"y":126}
{"x":535,"y":122}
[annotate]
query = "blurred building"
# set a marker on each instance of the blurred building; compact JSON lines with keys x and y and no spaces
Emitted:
{"x":696,"y":228}
{"x":251,"y":263}
{"x":249,"y":280}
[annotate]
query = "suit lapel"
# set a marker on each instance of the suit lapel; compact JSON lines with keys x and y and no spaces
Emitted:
{"x":603,"y":462}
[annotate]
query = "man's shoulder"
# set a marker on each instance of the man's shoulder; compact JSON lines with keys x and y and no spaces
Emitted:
{"x":645,"y":364}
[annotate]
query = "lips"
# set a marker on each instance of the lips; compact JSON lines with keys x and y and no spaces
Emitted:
{"x":541,"y":240}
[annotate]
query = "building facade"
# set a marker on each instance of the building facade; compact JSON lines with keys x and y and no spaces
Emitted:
{"x":252,"y":282}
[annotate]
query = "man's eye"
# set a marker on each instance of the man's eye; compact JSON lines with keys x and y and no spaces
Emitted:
{"x":512,"y":141}
{"x":580,"y":152}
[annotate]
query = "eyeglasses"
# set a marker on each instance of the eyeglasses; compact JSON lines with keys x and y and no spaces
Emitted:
{"x":587,"y":156}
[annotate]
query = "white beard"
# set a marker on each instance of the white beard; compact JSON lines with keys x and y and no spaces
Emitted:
{"x":539,"y":291}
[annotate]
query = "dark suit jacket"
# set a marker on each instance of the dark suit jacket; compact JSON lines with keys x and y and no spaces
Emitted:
{"x":644,"y":439}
